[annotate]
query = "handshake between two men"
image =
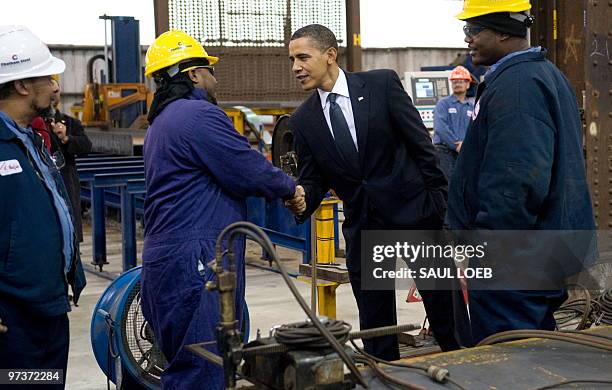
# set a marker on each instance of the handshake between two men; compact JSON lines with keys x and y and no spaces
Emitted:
{"x":297,"y":204}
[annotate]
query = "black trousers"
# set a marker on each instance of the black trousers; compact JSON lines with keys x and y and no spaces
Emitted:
{"x":446,"y":310}
{"x":33,"y":341}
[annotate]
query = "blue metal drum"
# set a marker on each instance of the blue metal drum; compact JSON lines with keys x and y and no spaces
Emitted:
{"x":122,"y":341}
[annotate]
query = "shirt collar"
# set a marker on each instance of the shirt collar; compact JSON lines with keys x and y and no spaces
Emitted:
{"x":13,"y":126}
{"x":455,"y":99}
{"x":340,"y":88}
{"x":496,"y":65}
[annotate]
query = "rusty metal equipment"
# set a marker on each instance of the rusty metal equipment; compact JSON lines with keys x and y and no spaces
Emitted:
{"x":297,"y":356}
{"x":578,"y":36}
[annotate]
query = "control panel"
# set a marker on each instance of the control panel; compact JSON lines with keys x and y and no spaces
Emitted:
{"x":426,"y":89}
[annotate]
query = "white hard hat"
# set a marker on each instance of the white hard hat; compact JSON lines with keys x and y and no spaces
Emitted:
{"x":24,"y":55}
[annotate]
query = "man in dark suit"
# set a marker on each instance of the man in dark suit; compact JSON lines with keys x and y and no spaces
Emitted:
{"x":360,"y":135}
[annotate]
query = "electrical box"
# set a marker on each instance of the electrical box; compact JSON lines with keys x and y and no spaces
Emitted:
{"x":426,"y":89}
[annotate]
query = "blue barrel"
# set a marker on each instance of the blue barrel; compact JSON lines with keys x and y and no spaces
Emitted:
{"x":122,"y":341}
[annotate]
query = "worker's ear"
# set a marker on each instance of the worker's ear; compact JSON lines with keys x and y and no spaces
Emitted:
{"x":193,"y":76}
{"x":503,"y":37}
{"x":23,"y":87}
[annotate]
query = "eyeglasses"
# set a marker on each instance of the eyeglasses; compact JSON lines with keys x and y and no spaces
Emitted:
{"x":471,"y":30}
{"x":211,"y":69}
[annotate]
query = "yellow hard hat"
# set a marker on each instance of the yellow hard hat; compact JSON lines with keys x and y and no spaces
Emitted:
{"x":473,"y":8}
{"x":173,"y":47}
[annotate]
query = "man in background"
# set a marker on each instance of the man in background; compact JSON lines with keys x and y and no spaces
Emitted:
{"x":452,"y":116}
{"x":71,"y":141}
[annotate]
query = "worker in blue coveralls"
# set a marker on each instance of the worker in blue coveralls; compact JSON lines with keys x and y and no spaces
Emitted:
{"x":452,"y":117}
{"x":199,"y":171}
{"x":521,"y":166}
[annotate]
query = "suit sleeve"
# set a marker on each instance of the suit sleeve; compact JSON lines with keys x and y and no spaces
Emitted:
{"x":406,"y":119}
{"x":309,"y":176}
{"x":515,"y":172}
{"x":78,"y":142}
{"x":240,"y":170}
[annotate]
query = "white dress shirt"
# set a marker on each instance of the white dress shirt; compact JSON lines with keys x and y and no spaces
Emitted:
{"x":344,"y":101}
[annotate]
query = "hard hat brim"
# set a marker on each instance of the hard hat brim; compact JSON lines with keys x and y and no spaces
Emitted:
{"x":55,"y":66}
{"x":211,"y":61}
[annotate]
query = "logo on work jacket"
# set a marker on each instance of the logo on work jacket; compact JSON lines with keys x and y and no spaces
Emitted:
{"x":9,"y":167}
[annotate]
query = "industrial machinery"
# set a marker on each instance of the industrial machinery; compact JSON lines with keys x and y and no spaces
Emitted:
{"x":304,"y":355}
{"x":117,"y":98}
{"x":123,"y":341}
{"x":426,"y":89}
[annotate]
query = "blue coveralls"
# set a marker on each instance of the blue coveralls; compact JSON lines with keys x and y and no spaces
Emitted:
{"x":199,"y":172}
{"x":451,"y":121}
{"x":521,"y":167}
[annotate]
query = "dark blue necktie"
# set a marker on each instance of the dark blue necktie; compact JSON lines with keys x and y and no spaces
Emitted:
{"x":342,"y":134}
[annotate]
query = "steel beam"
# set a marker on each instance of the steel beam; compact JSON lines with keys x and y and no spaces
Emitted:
{"x":161,"y":15}
{"x":353,"y":36}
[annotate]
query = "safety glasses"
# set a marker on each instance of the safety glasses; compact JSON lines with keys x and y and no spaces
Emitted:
{"x":211,"y":69}
{"x":471,"y":30}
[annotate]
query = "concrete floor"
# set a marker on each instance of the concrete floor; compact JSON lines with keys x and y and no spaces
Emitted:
{"x":270,"y":303}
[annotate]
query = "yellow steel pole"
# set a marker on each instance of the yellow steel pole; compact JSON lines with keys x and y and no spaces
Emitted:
{"x":326,"y":254}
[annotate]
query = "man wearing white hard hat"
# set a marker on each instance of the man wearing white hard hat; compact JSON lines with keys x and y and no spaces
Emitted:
{"x":38,"y":260}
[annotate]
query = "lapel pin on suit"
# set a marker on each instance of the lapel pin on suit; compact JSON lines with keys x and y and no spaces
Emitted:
{"x":360,"y":98}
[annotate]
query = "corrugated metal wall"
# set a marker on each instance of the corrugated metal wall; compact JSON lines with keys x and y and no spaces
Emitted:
{"x":408,"y":59}
{"x":399,"y":59}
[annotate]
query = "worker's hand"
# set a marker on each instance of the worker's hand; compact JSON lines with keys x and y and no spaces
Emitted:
{"x":59,"y":129}
{"x":458,"y":146}
{"x":297,"y":204}
{"x":3,"y":328}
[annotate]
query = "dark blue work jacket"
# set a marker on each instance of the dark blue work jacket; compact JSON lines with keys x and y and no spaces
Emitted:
{"x":521,"y":165}
{"x":33,"y":270}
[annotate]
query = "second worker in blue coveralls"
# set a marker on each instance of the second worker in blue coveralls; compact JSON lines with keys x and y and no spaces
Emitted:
{"x":451,"y":120}
{"x":199,"y":171}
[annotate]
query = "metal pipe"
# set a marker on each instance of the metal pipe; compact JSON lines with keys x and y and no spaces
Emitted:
{"x":353,"y":36}
{"x":313,"y":263}
{"x":105,"y":79}
{"x":161,"y":15}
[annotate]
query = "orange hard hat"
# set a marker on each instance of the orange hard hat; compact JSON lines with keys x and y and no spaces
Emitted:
{"x":461,"y":73}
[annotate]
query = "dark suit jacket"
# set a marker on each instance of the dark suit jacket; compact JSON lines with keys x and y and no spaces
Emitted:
{"x":400,"y":185}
